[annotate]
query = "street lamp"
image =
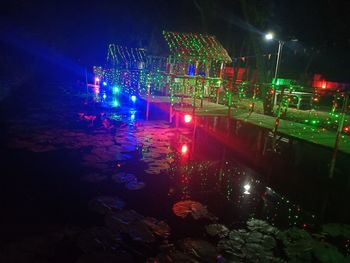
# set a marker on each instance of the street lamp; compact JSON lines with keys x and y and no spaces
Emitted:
{"x":270,"y":36}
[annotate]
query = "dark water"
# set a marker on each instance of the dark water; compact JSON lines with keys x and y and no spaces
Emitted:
{"x":60,"y":149}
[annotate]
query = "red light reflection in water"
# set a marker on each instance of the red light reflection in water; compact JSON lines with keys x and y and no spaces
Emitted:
{"x":184,"y":149}
{"x":188,"y":118}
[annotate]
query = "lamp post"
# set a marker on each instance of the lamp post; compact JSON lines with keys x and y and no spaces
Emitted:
{"x":270,"y":36}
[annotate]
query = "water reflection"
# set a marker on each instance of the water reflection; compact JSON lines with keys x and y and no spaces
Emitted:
{"x":207,"y":174}
{"x":240,"y":188}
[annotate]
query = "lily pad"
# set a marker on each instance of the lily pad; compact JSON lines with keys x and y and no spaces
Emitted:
{"x":158,"y":227}
{"x":134,"y":185}
{"x":139,"y":231}
{"x":217,"y":230}
{"x":98,"y":239}
{"x":201,"y":249}
{"x":261,"y":226}
{"x":105,"y":257}
{"x":173,"y":256}
{"x":123,"y":177}
{"x":105,"y":204}
{"x":336,"y":230}
{"x":196,"y":209}
{"x":115,"y":219}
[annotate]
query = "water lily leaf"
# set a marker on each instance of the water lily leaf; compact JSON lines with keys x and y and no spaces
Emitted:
{"x":327,"y":253}
{"x":336,"y":230}
{"x":134,"y":185}
{"x":139,"y":231}
{"x":217,"y":230}
{"x":268,"y":242}
{"x":197,"y":210}
{"x":231,"y":247}
{"x":261,"y":226}
{"x":238,"y":236}
{"x":201,"y":249}
{"x":173,"y":256}
{"x":160,"y":228}
{"x":124,"y":217}
{"x":105,"y":257}
{"x":254,"y":237}
{"x":131,"y":223}
{"x":124,"y":177}
{"x":297,"y":243}
{"x":98,"y":239}
{"x":105,"y":204}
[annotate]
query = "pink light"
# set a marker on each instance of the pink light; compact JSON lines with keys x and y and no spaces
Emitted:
{"x":184,"y":149}
{"x":97,"y":79}
{"x":188,"y":118}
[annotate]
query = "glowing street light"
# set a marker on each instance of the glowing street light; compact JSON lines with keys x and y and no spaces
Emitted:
{"x":246,"y":189}
{"x":269,"y":36}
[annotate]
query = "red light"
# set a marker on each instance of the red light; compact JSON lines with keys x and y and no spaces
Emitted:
{"x":188,"y":118}
{"x":184,"y":149}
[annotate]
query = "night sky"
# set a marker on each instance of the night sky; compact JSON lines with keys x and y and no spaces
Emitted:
{"x":75,"y":34}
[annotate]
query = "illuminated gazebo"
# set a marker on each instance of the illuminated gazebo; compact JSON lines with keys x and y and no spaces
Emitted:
{"x":125,"y":68}
{"x":195,"y":64}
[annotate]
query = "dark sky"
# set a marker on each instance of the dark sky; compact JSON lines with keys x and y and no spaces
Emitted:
{"x":79,"y":31}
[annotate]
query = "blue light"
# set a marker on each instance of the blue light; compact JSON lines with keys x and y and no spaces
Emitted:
{"x":104,"y":96}
{"x":104,"y":83}
{"x":132,"y":115}
{"x":191,"y":70}
{"x":133,"y":98}
{"x":115,"y":89}
{"x":115,"y":103}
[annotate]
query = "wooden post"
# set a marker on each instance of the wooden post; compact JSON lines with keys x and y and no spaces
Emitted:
{"x":170,"y":113}
{"x":194,"y":135}
{"x":229,"y":103}
{"x":202,"y":93}
{"x":148,"y":100}
{"x":339,"y":130}
{"x":183,"y":91}
{"x":194,"y":100}
{"x":217,"y":95}
{"x":220,"y":77}
{"x":277,"y":122}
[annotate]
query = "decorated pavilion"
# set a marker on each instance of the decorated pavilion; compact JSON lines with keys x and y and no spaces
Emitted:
{"x":195,"y":64}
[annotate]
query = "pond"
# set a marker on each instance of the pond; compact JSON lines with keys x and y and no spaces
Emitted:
{"x":88,"y":181}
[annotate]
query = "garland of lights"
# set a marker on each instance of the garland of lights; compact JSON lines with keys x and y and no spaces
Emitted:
{"x":198,"y":46}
